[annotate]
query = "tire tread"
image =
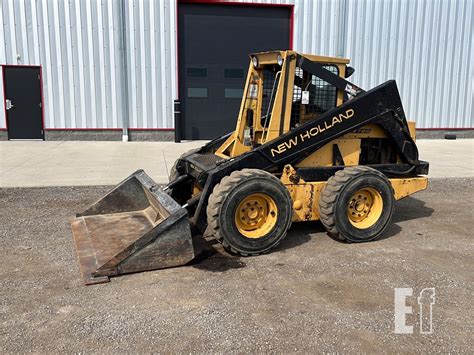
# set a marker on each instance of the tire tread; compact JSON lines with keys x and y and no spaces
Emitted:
{"x":217,"y":198}
{"x":327,"y":202}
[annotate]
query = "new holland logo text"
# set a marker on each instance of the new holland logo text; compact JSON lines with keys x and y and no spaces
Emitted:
{"x":312,"y":132}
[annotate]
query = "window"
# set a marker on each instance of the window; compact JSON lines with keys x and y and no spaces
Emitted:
{"x":325,"y":94}
{"x":271,"y":79}
{"x":233,"y":73}
{"x":196,"y":72}
{"x":322,"y":95}
{"x":197,"y":92}
{"x":233,"y":93}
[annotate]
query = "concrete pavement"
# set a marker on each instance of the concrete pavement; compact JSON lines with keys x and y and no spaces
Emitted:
{"x":76,"y":163}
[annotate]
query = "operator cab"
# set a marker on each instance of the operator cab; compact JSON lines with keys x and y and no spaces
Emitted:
{"x":279,"y":97}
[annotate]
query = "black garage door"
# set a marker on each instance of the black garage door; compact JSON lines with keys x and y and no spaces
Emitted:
{"x":214,"y":44}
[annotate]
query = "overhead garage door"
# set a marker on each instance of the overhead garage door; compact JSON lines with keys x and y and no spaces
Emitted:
{"x":214,"y":44}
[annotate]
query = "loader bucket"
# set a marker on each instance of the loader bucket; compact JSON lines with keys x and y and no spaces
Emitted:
{"x":135,"y":227}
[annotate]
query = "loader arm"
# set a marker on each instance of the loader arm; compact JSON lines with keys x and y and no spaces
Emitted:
{"x":333,"y":79}
{"x":380,"y":105}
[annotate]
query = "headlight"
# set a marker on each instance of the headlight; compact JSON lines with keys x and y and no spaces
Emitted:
{"x":255,"y":62}
{"x":279,"y":60}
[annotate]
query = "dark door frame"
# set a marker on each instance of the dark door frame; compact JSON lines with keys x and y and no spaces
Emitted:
{"x":40,"y":67}
{"x":177,"y":105}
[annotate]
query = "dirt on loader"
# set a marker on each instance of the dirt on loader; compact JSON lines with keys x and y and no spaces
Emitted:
{"x":311,"y":294}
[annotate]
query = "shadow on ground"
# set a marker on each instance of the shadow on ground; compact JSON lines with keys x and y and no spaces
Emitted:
{"x":211,"y":256}
{"x":406,"y":209}
{"x":411,"y":208}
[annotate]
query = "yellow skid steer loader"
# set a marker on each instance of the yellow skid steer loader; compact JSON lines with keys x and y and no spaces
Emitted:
{"x":308,"y":145}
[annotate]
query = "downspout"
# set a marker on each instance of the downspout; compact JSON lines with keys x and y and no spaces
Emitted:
{"x":123,"y":49}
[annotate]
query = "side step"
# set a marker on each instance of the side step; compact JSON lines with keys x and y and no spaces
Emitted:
{"x":135,"y":227}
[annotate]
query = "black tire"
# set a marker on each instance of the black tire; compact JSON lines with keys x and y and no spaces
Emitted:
{"x":184,"y":193}
{"x":174,"y":172}
{"x":339,"y":192}
{"x":226,"y":197}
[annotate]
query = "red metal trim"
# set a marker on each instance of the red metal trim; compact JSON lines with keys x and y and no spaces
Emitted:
{"x":172,"y":129}
{"x":232,"y":2}
{"x":108,"y":129}
{"x":445,"y":129}
{"x":152,"y":129}
{"x":4,"y":98}
{"x":40,"y":67}
{"x":292,"y":19}
{"x":42,"y":98}
{"x":20,"y":65}
{"x":227,"y":2}
{"x":2,"y":129}
{"x":83,"y":129}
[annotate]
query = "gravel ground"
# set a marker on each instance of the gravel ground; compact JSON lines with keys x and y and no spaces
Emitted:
{"x":311,"y":294}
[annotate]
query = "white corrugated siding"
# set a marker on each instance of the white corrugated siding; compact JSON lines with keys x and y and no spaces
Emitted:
{"x":77,"y":45}
{"x":151,"y":53}
{"x":426,"y":45}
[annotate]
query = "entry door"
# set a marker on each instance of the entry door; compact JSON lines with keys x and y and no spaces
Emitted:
{"x":214,"y":46}
{"x":23,"y":102}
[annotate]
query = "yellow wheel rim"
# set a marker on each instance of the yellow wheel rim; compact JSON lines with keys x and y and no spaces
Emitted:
{"x":256,"y":215}
{"x":365,"y":208}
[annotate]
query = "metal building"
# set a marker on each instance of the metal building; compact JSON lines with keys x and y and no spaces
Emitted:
{"x":109,"y":68}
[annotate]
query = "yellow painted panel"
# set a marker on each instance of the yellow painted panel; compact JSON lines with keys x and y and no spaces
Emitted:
{"x":412,"y":129}
{"x":406,"y":187}
{"x":305,"y":198}
{"x":323,"y":59}
{"x":349,"y":148}
{"x":350,"y":151}
{"x":305,"y":195}
{"x":269,"y":57}
{"x":367,"y":131}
